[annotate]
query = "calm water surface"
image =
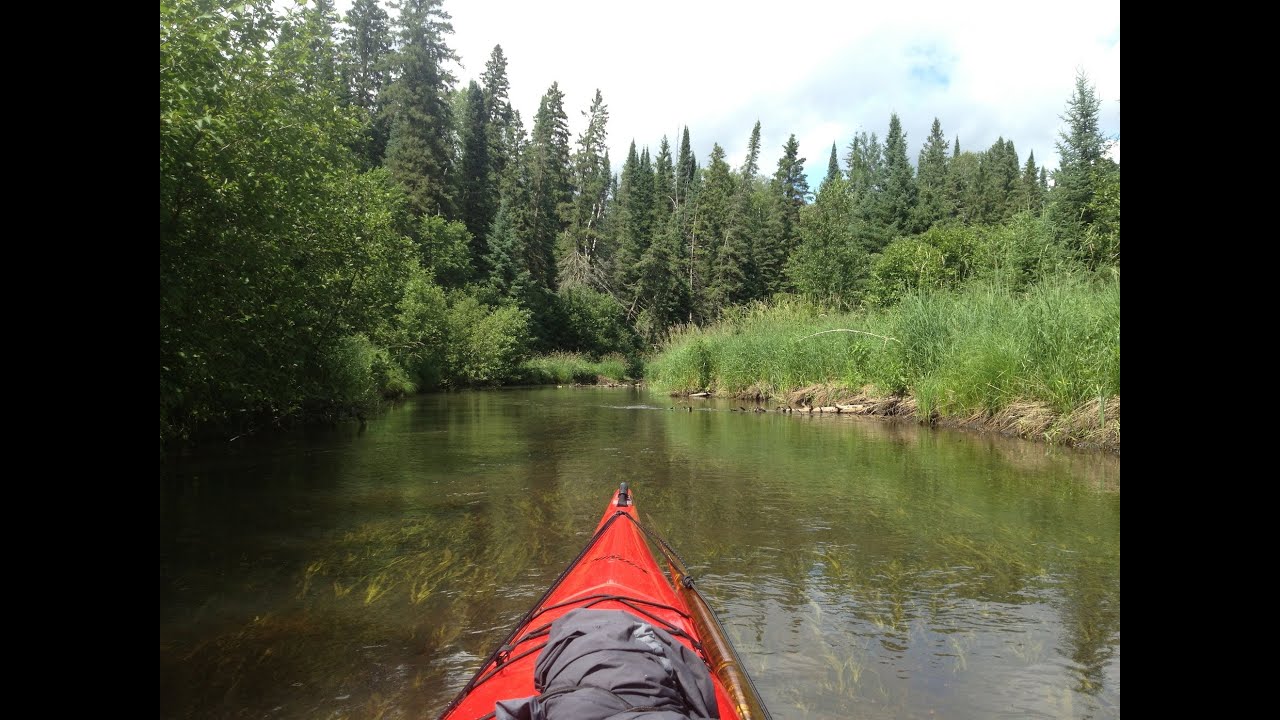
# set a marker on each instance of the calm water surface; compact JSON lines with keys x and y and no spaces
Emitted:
{"x":864,"y":570}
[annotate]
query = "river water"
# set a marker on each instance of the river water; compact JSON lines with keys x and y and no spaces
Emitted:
{"x":863,"y":569}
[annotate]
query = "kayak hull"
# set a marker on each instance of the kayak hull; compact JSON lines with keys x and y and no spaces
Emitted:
{"x":616,"y":571}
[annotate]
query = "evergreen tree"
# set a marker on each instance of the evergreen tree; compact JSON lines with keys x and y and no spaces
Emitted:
{"x":831,"y":262}
{"x":866,"y":174}
{"x":791,"y":185}
{"x":312,"y":33}
{"x":366,"y":52}
{"x":833,"y":168}
{"x":664,"y":189}
{"x":1030,"y":197}
{"x":1000,"y":170}
{"x":498,"y":106}
{"x":752,"y":164}
{"x":1081,"y":148}
{"x":477,"y":196}
{"x":725,"y":255}
{"x":660,"y":294}
{"x":932,"y":179}
{"x":579,"y":264}
{"x":635,"y":227}
{"x":686,"y":167}
{"x":420,"y":150}
{"x":550,"y":189}
{"x":896,"y":206}
{"x":964,"y":181}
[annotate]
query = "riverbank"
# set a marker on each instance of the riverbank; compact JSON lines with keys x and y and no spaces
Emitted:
{"x":1095,"y":425}
{"x":1043,"y":364}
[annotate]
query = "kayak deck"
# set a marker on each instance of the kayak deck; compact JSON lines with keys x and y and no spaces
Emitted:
{"x":615,"y":571}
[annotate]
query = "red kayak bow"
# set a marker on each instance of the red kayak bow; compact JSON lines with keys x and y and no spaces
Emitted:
{"x":615,"y":571}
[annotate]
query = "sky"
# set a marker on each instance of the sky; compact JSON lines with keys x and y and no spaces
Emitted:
{"x":819,"y":69}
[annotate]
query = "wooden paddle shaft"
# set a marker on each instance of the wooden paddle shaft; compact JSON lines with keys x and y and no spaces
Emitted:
{"x":724,"y":661}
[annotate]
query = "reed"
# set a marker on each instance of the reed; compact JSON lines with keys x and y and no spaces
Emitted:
{"x":564,"y":368}
{"x":972,"y":352}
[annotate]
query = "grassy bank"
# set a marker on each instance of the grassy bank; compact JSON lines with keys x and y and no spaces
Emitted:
{"x":1042,"y":363}
{"x":563,"y":368}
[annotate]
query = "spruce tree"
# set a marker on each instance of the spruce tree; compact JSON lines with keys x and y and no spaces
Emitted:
{"x":498,"y":106}
{"x":932,"y":179}
{"x":686,"y":167}
{"x":477,"y":194}
{"x":791,"y":185}
{"x":724,"y":253}
{"x":1081,"y":148}
{"x":550,"y":189}
{"x":664,"y":189}
{"x":898,"y":202}
{"x":579,"y":262}
{"x":752,"y":164}
{"x":420,"y":149}
{"x":833,"y":168}
{"x":366,"y":54}
{"x":1029,"y":195}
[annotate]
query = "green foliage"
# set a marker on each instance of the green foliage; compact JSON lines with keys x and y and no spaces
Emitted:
{"x":895,"y":207}
{"x":445,"y":250}
{"x":959,"y":352}
{"x":1101,"y":244}
{"x":272,"y":247}
{"x":563,"y":368}
{"x":1082,"y":172}
{"x":354,"y":374}
{"x":581,"y":253}
{"x":297,"y":275}
{"x":477,"y":181}
{"x":834,"y":253}
{"x":366,"y":72}
{"x":932,"y":181}
{"x":907,"y":265}
{"x":420,"y":148}
{"x":595,"y":323}
{"x":485,"y":346}
{"x":421,"y":331}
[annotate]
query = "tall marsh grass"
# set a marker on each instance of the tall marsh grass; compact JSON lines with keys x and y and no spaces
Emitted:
{"x":562,"y":368}
{"x":968,"y":351}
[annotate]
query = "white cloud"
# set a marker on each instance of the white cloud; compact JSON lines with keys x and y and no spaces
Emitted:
{"x":821,"y":70}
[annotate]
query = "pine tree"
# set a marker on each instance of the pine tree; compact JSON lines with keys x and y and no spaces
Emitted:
{"x":964,"y":180}
{"x":311,"y":29}
{"x":420,"y":150}
{"x":635,"y":226}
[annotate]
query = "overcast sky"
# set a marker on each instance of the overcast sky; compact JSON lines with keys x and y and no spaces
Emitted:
{"x":822,"y":70}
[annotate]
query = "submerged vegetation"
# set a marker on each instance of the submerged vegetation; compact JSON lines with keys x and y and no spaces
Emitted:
{"x":341,"y":222}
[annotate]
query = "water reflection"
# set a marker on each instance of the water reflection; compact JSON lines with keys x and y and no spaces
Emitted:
{"x":862,"y":568}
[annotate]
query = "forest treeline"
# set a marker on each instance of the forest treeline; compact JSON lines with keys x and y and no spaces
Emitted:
{"x":341,"y":220}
